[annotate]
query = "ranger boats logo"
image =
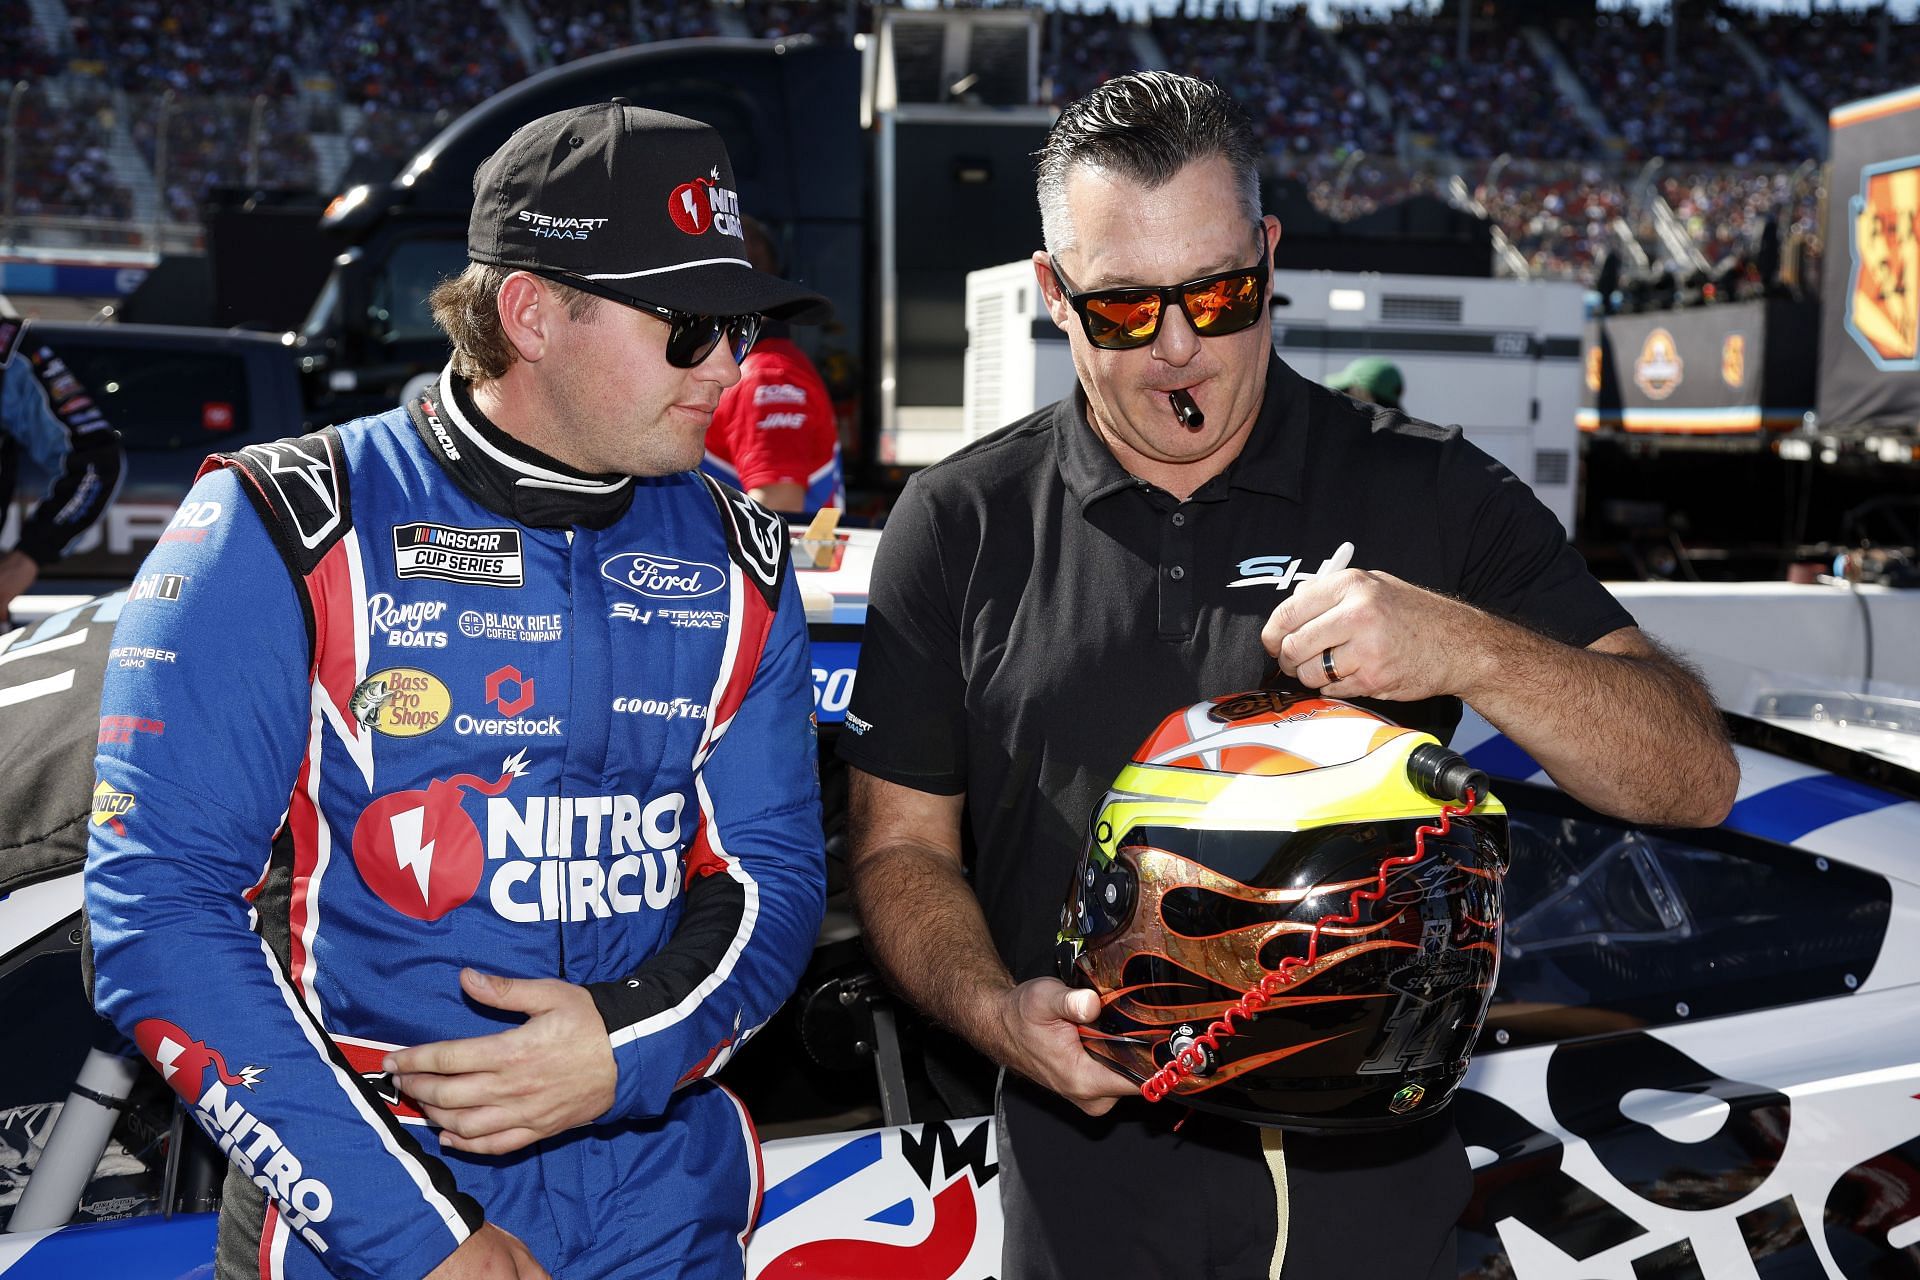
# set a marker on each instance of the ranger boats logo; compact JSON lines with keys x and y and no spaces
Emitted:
{"x":663,"y":577}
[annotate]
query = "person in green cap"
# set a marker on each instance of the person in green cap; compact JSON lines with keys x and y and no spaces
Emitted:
{"x":1373,"y":379}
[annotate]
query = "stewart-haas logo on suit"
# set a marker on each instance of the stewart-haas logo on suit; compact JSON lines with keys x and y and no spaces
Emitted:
{"x":199,"y":1073}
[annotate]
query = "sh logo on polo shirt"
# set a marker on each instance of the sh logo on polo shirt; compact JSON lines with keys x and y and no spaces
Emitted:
{"x":481,"y":557}
{"x":1283,"y":572}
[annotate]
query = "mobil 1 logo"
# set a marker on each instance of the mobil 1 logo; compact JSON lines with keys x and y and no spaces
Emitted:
{"x":479,"y":557}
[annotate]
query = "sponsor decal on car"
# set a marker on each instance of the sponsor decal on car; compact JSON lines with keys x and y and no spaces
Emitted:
{"x":478,"y":557}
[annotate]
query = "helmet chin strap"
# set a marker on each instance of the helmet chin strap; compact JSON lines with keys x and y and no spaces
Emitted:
{"x":1196,"y":1056}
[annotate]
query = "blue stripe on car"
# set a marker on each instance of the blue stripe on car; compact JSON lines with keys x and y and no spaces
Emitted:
{"x":829,"y":1170}
{"x":1792,"y":809}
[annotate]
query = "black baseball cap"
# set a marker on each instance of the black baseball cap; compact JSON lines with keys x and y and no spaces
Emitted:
{"x":635,"y":204}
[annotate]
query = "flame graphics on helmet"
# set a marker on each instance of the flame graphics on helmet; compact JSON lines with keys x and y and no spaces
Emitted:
{"x":183,"y":1062}
{"x":419,"y":851}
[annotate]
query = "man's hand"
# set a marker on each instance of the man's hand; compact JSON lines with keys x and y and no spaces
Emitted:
{"x":495,"y":1094}
{"x":1386,"y":638}
{"x":1041,"y":1020}
{"x":17,"y":573}
{"x":489,"y":1254}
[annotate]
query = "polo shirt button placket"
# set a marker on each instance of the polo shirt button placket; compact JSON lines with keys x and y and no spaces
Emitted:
{"x":1176,"y":620}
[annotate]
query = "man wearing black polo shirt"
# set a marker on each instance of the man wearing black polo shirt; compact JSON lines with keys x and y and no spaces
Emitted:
{"x":1044,"y":597}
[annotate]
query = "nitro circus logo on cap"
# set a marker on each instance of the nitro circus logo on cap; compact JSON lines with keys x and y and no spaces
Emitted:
{"x":482,"y":557}
{"x":199,"y":1073}
{"x":422,"y":854}
{"x":695,"y":206}
{"x":663,"y":577}
{"x":401,"y":702}
{"x":419,"y":851}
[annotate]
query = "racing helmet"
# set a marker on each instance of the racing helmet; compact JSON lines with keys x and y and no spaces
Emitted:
{"x":1294,"y":846}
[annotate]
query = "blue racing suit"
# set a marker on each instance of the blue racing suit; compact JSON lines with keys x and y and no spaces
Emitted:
{"x":406,"y":695}
{"x":48,"y":415}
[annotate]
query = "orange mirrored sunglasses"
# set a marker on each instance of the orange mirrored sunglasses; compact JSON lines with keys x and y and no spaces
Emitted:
{"x":1121,"y":319}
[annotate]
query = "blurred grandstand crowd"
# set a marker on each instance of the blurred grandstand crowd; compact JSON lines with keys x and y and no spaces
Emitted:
{"x":1576,"y":139}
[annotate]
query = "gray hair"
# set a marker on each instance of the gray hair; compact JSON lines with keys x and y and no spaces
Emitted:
{"x":1147,"y":126}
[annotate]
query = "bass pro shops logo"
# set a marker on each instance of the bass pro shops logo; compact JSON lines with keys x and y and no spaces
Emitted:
{"x":1659,"y":369}
{"x":1883,"y":302}
{"x":199,"y":1073}
{"x":703,"y":203}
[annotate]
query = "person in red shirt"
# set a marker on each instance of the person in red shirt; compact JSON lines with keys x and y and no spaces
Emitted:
{"x":773,"y":435}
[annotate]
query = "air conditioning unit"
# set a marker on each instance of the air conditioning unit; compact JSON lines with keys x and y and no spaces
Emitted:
{"x":1017,"y":359}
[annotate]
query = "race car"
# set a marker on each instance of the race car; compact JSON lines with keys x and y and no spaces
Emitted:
{"x":1701,"y":1060}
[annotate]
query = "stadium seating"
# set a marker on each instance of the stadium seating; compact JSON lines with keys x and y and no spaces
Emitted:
{"x":319,"y":93}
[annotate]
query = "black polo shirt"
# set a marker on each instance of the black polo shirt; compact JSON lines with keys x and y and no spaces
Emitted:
{"x":1036,"y":610}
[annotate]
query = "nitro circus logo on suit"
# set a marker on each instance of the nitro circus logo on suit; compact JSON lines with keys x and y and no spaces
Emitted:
{"x":423,"y":855}
{"x":403,"y":624}
{"x":663,"y":577}
{"x":480,"y":557}
{"x":401,"y":702}
{"x":199,"y":1073}
{"x":419,"y":851}
{"x":695,"y":206}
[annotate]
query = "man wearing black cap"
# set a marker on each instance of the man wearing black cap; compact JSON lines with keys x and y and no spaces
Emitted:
{"x":459,"y":819}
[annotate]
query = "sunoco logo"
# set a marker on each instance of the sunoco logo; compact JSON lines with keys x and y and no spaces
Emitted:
{"x":401,"y":702}
{"x":663,"y":577}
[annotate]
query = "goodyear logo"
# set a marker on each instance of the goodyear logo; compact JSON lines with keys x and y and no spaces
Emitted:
{"x":1883,"y":304}
{"x":401,"y":702}
{"x":109,"y":806}
{"x":1659,"y":369}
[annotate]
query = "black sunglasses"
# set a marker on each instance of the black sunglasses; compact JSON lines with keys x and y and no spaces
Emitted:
{"x":1122,"y":319}
{"x":691,"y":337}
